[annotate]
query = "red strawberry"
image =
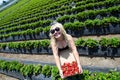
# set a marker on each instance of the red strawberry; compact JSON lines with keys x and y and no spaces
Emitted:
{"x":70,"y":69}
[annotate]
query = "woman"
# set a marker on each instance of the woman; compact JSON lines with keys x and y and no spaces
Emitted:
{"x":63,"y":47}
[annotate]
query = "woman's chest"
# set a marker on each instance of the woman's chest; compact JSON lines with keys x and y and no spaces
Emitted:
{"x":61,"y":44}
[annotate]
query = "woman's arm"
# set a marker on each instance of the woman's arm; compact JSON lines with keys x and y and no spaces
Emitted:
{"x":75,"y":52}
{"x":57,"y":59}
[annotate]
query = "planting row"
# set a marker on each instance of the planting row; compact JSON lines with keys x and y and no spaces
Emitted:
{"x":64,"y":6}
{"x":82,"y":16}
{"x":42,"y":24}
{"x":40,"y":7}
{"x":89,"y":27}
{"x":33,"y":6}
{"x":90,"y":47}
{"x":70,"y":11}
{"x":47,"y":72}
{"x":53,"y":15}
{"x":104,"y":42}
{"x":57,"y":14}
{"x":91,"y":14}
{"x":39,"y":24}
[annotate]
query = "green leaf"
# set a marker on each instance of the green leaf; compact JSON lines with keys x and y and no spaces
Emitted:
{"x":91,"y":43}
{"x":104,"y":42}
{"x":55,"y":72}
{"x":80,"y":42}
{"x":46,"y":70}
{"x":37,"y":69}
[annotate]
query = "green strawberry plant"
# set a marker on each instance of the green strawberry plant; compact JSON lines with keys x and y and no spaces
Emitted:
{"x":37,"y":69}
{"x":46,"y":70}
{"x":91,"y":43}
{"x":104,"y":42}
{"x":55,"y":73}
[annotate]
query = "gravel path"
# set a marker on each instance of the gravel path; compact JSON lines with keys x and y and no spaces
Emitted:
{"x":85,"y":61}
{"x":4,"y":77}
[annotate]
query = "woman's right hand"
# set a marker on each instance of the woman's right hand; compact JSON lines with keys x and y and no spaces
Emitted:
{"x":61,"y":74}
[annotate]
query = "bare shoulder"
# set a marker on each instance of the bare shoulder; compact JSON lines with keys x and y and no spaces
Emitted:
{"x":69,"y":37}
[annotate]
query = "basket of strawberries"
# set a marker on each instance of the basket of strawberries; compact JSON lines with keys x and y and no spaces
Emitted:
{"x":70,"y":69}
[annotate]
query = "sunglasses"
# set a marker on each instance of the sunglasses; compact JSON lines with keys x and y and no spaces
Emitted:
{"x":56,"y":29}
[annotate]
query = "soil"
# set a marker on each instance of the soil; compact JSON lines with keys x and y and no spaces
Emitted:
{"x":85,"y":61}
{"x":4,"y":77}
{"x":100,"y":36}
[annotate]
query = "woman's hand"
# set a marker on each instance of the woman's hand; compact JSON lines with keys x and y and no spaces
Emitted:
{"x":61,"y":74}
{"x":80,"y":69}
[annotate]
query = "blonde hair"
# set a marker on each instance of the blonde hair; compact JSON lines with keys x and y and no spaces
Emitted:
{"x":62,"y":31}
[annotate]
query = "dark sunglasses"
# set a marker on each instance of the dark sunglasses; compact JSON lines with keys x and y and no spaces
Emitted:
{"x":56,"y":29}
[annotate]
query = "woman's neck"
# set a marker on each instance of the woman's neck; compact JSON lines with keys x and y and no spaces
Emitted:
{"x":61,"y":38}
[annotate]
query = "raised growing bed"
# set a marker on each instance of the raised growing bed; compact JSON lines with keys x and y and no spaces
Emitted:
{"x":105,"y":47}
{"x":47,"y":72}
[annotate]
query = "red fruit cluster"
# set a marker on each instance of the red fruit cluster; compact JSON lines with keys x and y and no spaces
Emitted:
{"x":70,"y":69}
